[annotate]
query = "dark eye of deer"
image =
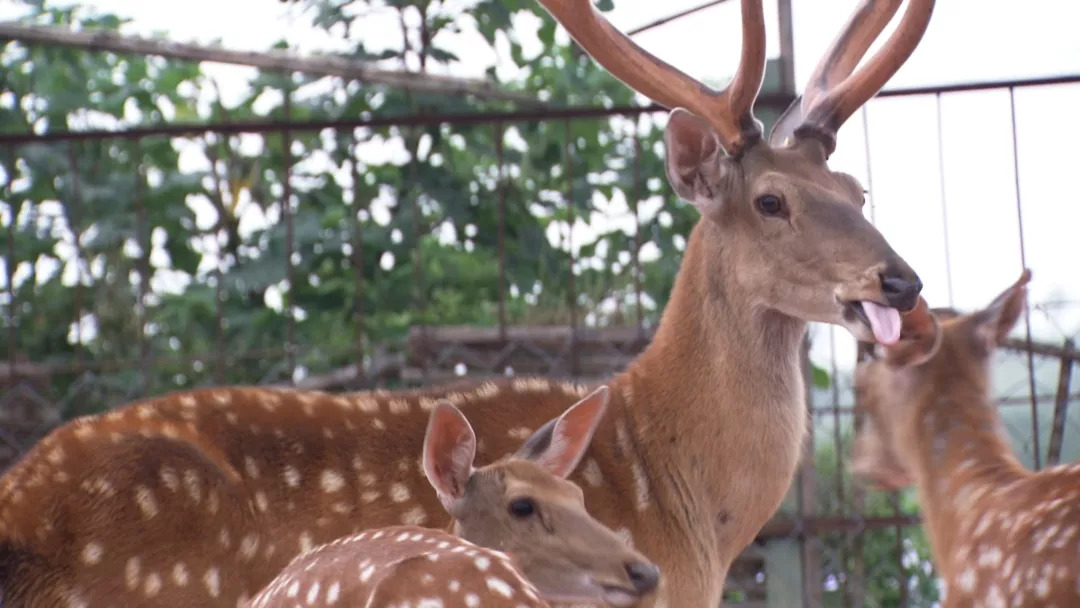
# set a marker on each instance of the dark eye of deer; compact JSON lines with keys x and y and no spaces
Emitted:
{"x":769,"y":204}
{"x":522,"y":507}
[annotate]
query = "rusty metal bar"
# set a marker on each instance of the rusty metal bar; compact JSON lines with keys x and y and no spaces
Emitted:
{"x":358,"y":260}
{"x":899,"y":551}
{"x":419,"y":301}
{"x":1023,"y":263}
{"x":142,"y":235}
{"x":500,"y":189}
{"x":572,"y":216}
{"x":777,"y":101}
{"x":74,"y":221}
{"x":637,"y":232}
{"x":219,"y":325}
{"x":280,"y":61}
{"x":1061,"y":405}
{"x":673,"y":17}
{"x":290,"y":235}
{"x":12,"y":311}
{"x":375,"y":122}
{"x":807,"y":489}
{"x":788,"y":528}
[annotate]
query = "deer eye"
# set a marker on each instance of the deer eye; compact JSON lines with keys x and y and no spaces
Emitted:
{"x":769,"y":205}
{"x":522,"y":507}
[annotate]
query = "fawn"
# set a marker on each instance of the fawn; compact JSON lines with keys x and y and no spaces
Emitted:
{"x":1000,"y":535}
{"x":521,"y":505}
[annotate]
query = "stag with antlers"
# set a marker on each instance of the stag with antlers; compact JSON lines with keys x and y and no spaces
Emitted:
{"x":704,"y":429}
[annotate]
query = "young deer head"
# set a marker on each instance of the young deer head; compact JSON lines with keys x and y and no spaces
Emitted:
{"x":939,"y":352}
{"x":791,"y":230}
{"x":1000,"y":534}
{"x":522,"y":505}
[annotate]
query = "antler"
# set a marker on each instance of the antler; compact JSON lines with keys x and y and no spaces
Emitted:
{"x":833,"y":92}
{"x":728,"y":112}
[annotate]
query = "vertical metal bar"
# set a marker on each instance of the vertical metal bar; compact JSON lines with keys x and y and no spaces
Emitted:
{"x":1061,"y":405}
{"x":419,"y":302}
{"x":899,"y":552}
{"x":1023,"y":263}
{"x":837,"y":438}
{"x":869,"y":165}
{"x":219,"y":324}
{"x":807,"y":494}
{"x":858,"y":506}
{"x":787,"y":47}
{"x":75,"y":219}
{"x":500,"y":189}
{"x":142,"y":235}
{"x":838,"y":443}
{"x":287,"y":212}
{"x":358,"y":262}
{"x":13,"y":306}
{"x":572,"y":216}
{"x":944,"y":213}
{"x":637,"y":230}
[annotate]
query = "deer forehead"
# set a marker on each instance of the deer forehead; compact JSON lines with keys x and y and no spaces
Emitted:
{"x":522,"y":478}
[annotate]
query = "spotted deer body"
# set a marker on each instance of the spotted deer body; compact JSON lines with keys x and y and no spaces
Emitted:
{"x":401,"y":566}
{"x":1000,"y":534}
{"x":520,"y":506}
{"x":704,"y":429}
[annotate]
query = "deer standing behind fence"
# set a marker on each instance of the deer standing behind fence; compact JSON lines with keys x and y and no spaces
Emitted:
{"x":1000,"y":535}
{"x":705,"y":428}
{"x":536,"y":538}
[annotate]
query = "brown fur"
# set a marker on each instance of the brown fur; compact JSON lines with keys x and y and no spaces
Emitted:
{"x":1001,"y":535}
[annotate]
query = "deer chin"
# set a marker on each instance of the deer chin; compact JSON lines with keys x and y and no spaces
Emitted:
{"x":619,"y":596}
{"x":871,"y":322}
{"x":592,"y":590}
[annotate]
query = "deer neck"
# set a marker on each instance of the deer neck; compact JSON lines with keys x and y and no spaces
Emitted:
{"x":963,"y":458}
{"x":722,"y":381}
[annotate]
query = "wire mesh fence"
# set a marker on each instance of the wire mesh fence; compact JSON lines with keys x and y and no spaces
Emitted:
{"x":319,"y":254}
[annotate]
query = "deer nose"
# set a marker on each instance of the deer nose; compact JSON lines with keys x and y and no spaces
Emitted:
{"x":900,"y":289}
{"x":643,"y":575}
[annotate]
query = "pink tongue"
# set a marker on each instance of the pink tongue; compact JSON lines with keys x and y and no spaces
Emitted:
{"x":884,"y":321}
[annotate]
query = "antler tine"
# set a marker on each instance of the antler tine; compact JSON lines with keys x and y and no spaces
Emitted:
{"x":728,"y":112}
{"x":840,"y":102}
{"x":865,"y":25}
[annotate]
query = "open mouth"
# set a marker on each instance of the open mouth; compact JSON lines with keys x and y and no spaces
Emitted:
{"x":883,"y":321}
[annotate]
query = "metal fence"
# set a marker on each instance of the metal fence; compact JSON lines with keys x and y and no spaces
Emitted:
{"x":833,"y":544}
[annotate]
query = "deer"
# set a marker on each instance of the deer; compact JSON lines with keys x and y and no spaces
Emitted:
{"x":705,"y":427}
{"x":1000,"y":534}
{"x":534,"y":538}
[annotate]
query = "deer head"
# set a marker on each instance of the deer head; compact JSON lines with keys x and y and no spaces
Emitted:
{"x":938,"y":348}
{"x":791,"y":230}
{"x":523,"y":505}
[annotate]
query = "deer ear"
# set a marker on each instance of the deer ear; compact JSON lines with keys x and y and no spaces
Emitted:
{"x":694,"y":161}
{"x":920,"y":337}
{"x":993,"y":323}
{"x":559,"y":445}
{"x":449,"y":450}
